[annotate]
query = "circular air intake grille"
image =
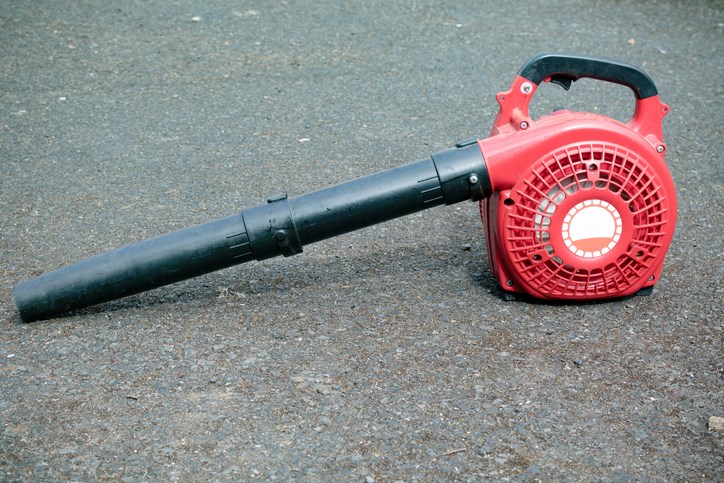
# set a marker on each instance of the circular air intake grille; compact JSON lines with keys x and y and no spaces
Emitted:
{"x":586,"y":221}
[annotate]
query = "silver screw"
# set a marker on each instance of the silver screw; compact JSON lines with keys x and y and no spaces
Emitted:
{"x":509,"y":283}
{"x":523,"y":125}
{"x":526,"y":87}
{"x":473,"y":179}
{"x":660,"y":148}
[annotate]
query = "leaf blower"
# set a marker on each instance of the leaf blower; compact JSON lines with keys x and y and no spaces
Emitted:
{"x":576,"y":206}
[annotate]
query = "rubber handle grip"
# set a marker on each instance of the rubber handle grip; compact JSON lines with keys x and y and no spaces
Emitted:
{"x":571,"y":67}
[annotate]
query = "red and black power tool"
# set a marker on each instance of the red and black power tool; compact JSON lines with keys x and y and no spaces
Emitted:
{"x":576,"y":206}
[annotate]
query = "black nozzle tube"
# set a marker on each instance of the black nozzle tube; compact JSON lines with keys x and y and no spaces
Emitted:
{"x":280,"y":227}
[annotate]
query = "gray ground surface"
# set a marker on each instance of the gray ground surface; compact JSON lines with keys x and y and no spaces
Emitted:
{"x":384,"y":354}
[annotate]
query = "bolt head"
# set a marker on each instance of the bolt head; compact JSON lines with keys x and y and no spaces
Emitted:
{"x":526,"y":87}
{"x":523,"y":125}
{"x":473,"y":179}
{"x":660,"y":148}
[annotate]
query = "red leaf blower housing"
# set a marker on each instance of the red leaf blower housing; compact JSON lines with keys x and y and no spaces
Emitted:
{"x":584,"y":207}
{"x":576,"y":206}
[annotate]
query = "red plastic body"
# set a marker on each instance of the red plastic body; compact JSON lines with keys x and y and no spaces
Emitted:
{"x":584,"y":206}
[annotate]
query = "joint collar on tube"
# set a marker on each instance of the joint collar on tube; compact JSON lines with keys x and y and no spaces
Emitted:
{"x":463,"y":174}
{"x":271,"y":229}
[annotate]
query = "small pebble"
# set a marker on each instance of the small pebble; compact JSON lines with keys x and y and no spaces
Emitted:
{"x":324,"y":390}
{"x":484,"y":450}
{"x":716,"y":423}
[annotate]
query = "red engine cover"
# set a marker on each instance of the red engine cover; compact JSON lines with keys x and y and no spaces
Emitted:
{"x":585,"y":206}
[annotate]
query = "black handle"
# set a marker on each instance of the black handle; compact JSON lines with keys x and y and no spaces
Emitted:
{"x":563,"y":68}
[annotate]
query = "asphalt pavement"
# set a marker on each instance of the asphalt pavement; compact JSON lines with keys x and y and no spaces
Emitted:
{"x":388,"y":354}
